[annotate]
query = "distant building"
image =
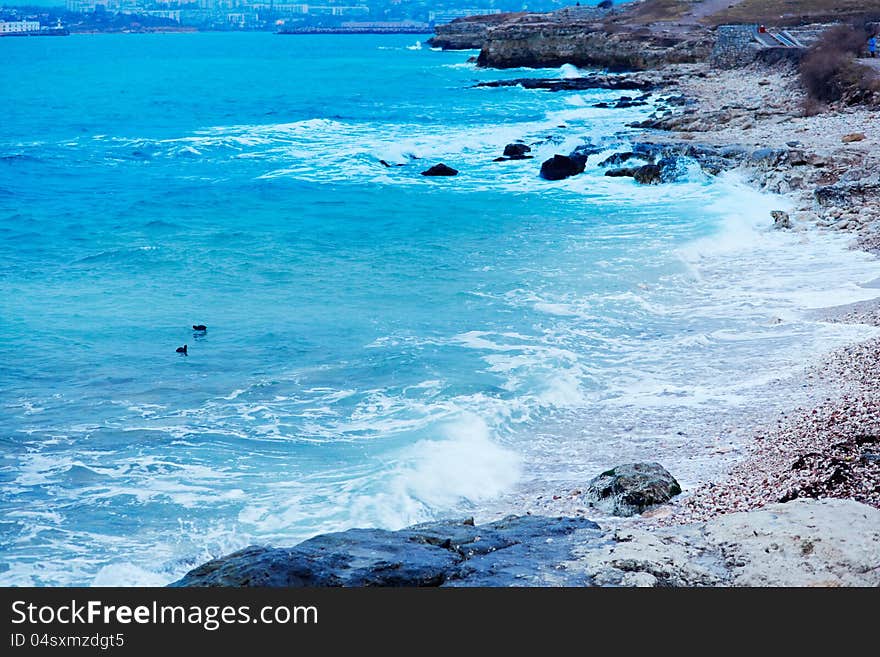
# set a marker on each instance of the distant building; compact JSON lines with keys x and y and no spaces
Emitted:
{"x":282,"y":7}
{"x":19,"y":27}
{"x":171,"y":14}
{"x":80,"y":6}
{"x":382,"y":25}
{"x":337,"y":10}
{"x":449,"y":15}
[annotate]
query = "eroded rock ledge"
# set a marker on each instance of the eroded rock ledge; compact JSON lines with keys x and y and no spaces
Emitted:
{"x":800,"y":543}
{"x":582,"y":36}
{"x":534,"y":41}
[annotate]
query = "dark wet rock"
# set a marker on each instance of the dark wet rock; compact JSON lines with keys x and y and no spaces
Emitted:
{"x":595,"y":81}
{"x":624,"y":104}
{"x":771,"y":546}
{"x":698,"y":151}
{"x":646,"y":124}
{"x":781,"y":220}
{"x":516,"y":150}
{"x":623,"y":172}
{"x":649,"y":151}
{"x":714,"y":165}
{"x":440,"y":170}
{"x":632,"y":488}
{"x":514,"y":551}
{"x":559,"y":167}
{"x":586,"y":150}
{"x":649,"y":174}
{"x":617,"y":159}
{"x":668,"y":156}
{"x":670,"y":168}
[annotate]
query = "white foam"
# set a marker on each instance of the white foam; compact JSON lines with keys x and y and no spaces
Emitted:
{"x":570,"y":72}
{"x":462,"y":464}
{"x":129,"y":575}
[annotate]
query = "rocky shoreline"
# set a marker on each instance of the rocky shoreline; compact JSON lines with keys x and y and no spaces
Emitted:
{"x":800,"y":506}
{"x":802,"y":543}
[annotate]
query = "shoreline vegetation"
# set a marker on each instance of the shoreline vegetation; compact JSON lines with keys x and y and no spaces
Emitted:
{"x":800,"y":504}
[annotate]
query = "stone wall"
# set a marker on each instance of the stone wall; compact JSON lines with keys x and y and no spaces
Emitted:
{"x":734,"y":46}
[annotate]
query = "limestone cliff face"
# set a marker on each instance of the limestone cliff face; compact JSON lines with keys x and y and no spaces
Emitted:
{"x":467,"y":33}
{"x":534,"y":41}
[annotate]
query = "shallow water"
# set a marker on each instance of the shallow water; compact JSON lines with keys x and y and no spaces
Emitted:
{"x":382,"y":348}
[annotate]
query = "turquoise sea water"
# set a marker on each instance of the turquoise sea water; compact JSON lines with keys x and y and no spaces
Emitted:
{"x":382,"y":348}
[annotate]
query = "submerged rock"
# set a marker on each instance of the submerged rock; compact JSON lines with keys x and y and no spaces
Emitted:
{"x":559,"y":167}
{"x":440,"y":170}
{"x":621,"y":82}
{"x":632,"y":488}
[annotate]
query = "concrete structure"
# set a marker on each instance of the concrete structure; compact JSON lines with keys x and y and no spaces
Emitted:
{"x":738,"y":45}
{"x":18,"y":27}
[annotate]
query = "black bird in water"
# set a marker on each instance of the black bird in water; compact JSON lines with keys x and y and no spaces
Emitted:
{"x":200,"y":327}
{"x":182,"y":350}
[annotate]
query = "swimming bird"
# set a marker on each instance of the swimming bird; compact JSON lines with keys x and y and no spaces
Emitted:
{"x":182,"y":350}
{"x":199,"y":327}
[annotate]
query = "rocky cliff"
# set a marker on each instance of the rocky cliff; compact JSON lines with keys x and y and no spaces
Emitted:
{"x":583,"y":36}
{"x":467,"y":33}
{"x":540,"y":40}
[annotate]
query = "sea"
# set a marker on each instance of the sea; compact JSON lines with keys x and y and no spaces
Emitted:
{"x":382,"y":348}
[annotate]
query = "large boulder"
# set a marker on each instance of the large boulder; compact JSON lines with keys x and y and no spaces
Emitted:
{"x":559,"y":167}
{"x":805,"y":542}
{"x":650,"y":174}
{"x":440,"y":170}
{"x":630,"y":489}
{"x":515,"y":551}
{"x":516,"y":151}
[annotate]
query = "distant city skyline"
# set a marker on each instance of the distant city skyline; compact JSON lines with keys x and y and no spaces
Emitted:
{"x":62,"y":3}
